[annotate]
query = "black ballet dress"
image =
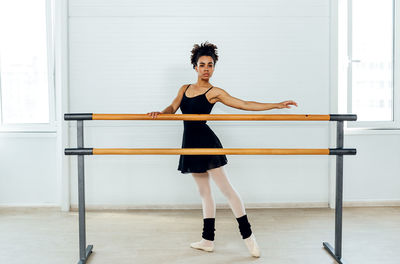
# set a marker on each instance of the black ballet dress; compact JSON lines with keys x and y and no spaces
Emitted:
{"x":197,"y":134}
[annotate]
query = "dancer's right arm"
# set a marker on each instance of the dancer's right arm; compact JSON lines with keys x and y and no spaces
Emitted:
{"x":172,"y":108}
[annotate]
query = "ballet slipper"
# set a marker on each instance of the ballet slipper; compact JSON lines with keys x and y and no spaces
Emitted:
{"x":252,"y":246}
{"x":201,"y":245}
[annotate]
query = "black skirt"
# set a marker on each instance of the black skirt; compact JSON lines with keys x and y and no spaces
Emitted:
{"x":197,"y":134}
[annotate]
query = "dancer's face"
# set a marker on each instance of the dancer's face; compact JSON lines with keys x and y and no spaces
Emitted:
{"x":205,"y":67}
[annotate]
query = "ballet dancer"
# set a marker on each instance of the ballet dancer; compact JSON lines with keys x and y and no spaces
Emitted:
{"x":199,"y":98}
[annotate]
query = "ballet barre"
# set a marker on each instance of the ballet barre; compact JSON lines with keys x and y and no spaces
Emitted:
{"x":339,"y":152}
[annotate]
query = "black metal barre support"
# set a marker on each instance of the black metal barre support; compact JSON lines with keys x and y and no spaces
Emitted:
{"x":336,"y":253}
{"x":78,"y":116}
{"x":84,"y":252}
{"x":342,"y":117}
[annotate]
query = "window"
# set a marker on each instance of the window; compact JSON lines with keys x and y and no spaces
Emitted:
{"x":371,"y":78}
{"x":26,"y":62}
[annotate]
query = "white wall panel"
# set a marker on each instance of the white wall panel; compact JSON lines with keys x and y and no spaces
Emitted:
{"x":205,"y":8}
{"x":28,"y":169}
{"x":132,"y":57}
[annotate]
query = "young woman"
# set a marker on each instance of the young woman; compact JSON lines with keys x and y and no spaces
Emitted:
{"x":199,"y":98}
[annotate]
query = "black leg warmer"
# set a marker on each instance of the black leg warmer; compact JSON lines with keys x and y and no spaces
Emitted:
{"x":209,"y":228}
{"x":244,"y":226}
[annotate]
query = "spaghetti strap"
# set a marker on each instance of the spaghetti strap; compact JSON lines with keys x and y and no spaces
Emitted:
{"x":197,"y":95}
{"x":187,"y":87}
{"x":209,"y":89}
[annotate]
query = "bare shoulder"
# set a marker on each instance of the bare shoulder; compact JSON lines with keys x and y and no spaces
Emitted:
{"x":216,"y":93}
{"x":220,"y":95}
{"x":177,"y":100}
{"x":218,"y":90}
{"x":183,"y":87}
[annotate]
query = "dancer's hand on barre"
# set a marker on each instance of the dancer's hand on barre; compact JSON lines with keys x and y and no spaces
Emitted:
{"x":285,"y":104}
{"x":154,"y":114}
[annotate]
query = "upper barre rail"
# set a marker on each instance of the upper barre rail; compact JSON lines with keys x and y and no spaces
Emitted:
{"x":243,"y":117}
{"x":206,"y":151}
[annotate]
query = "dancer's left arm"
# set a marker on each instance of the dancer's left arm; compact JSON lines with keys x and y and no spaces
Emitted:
{"x":225,"y":98}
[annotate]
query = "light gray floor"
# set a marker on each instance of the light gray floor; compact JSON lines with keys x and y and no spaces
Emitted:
{"x":370,"y":235}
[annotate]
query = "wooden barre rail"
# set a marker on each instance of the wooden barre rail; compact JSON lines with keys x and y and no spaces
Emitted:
{"x":228,"y":117}
{"x":206,"y":151}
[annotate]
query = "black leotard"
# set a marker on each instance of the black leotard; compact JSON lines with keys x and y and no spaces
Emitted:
{"x":197,"y":134}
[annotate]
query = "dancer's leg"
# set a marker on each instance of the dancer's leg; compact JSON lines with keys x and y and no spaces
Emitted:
{"x":220,"y":178}
{"x":204,"y":188}
{"x":208,"y":205}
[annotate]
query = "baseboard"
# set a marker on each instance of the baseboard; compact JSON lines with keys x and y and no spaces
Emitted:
{"x":29,"y":207}
{"x":74,"y":207}
{"x":368,"y":203}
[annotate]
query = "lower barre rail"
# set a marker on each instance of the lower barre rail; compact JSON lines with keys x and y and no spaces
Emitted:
{"x":206,"y":151}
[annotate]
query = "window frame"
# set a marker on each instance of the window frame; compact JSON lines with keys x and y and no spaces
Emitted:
{"x":375,"y":125}
{"x":51,"y":126}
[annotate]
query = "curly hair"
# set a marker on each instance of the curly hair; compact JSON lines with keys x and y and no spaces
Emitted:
{"x":205,"y":49}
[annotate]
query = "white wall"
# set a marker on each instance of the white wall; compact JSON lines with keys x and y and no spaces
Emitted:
{"x":372,"y":176}
{"x":28,"y":169}
{"x":132,"y":56}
